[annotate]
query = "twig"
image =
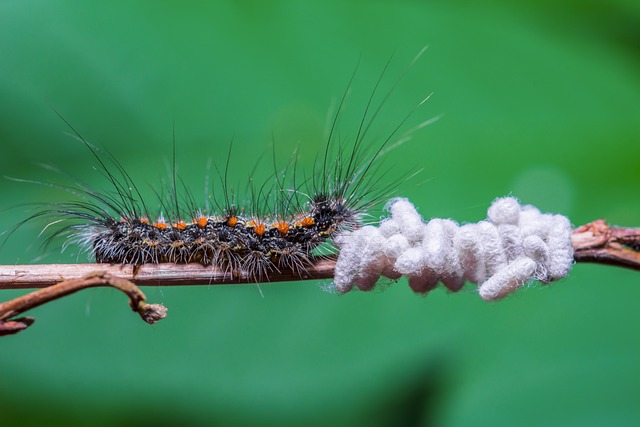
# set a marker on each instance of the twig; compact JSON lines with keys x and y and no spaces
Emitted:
{"x":59,"y":280}
{"x":600,"y":243}
{"x":43,"y":275}
{"x":596,"y":242}
{"x":150,"y":313}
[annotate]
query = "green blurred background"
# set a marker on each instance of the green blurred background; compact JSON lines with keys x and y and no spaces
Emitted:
{"x":539,"y":99}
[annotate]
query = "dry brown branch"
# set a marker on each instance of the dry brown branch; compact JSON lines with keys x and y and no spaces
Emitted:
{"x":600,"y":243}
{"x":595,"y":242}
{"x":150,"y":313}
{"x":43,"y":275}
{"x":59,"y":280}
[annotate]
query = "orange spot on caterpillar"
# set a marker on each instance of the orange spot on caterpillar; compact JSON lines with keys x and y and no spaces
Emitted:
{"x":160,"y":225}
{"x":259,"y":229}
{"x":232,"y":221}
{"x":202,"y":222}
{"x":308,"y":222}
{"x":283,"y":227}
{"x":180,"y":225}
{"x":144,"y":220}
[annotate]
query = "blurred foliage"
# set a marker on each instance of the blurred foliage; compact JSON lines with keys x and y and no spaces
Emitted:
{"x":539,"y":99}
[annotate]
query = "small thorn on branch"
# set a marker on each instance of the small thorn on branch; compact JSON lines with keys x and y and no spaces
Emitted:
{"x":14,"y":326}
{"x":150,"y":313}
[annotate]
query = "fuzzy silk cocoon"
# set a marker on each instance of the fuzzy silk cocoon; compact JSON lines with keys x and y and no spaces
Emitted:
{"x":515,"y":245}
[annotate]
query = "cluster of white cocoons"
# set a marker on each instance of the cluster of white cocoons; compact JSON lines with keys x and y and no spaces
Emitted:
{"x":515,"y":245}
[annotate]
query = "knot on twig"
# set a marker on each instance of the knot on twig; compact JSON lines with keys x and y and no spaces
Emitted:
{"x":151,"y":313}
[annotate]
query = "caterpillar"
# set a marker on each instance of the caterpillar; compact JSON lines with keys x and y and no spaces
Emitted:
{"x":284,"y":223}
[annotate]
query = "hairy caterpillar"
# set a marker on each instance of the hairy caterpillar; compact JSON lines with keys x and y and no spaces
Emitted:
{"x":278,"y":229}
